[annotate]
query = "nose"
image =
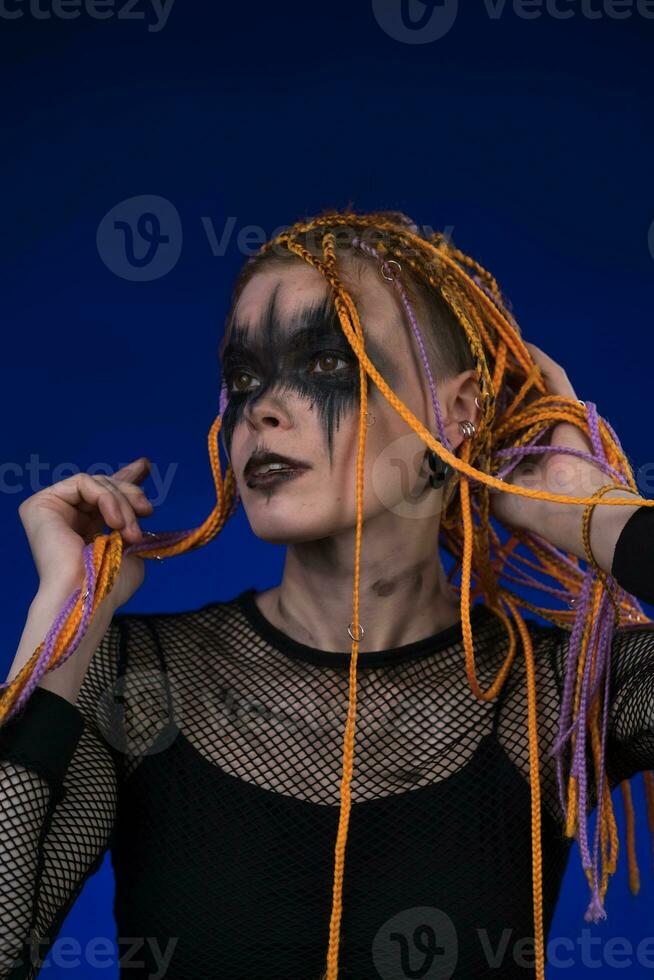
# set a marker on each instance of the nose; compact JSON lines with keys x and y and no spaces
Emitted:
{"x":267,"y":411}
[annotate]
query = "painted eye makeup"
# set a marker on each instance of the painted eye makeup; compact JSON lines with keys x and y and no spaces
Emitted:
{"x":232,"y":376}
{"x":323,"y":364}
{"x":333,"y":356}
{"x":306,"y":354}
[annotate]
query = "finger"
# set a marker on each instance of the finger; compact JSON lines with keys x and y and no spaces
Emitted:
{"x":90,"y":493}
{"x":110,"y":509}
{"x":130,"y":525}
{"x":83,"y":494}
{"x":135,"y":494}
{"x":541,"y":356}
{"x":69,"y":488}
{"x":99,"y":493}
{"x":545,"y":362}
{"x":556,"y":379}
{"x":135,"y":471}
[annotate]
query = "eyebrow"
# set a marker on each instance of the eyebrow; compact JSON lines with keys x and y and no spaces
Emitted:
{"x":299,"y":339}
{"x":320,"y":323}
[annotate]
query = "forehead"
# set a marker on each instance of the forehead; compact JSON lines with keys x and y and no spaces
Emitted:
{"x":285,"y":299}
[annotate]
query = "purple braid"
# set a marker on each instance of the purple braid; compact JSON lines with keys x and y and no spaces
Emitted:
{"x":369,"y":250}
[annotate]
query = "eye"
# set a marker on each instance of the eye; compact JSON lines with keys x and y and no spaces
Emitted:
{"x":237,"y":382}
{"x":329,"y":359}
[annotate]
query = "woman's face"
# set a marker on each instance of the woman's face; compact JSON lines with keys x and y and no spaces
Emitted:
{"x":293,"y":383}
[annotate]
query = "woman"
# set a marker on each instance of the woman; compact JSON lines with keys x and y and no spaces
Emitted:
{"x":205,"y":748}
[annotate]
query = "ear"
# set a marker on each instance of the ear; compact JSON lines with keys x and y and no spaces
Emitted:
{"x":462,"y":391}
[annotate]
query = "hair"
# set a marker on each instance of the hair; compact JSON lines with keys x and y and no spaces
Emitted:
{"x":451,"y":354}
{"x":470,"y":326}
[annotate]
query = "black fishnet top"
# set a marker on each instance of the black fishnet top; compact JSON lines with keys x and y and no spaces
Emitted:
{"x":205,"y":753}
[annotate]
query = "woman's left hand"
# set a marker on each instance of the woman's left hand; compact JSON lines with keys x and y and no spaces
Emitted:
{"x":557,"y":473}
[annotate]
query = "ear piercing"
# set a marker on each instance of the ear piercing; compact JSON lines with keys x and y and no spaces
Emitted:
{"x":468,"y":428}
{"x":440,"y":469}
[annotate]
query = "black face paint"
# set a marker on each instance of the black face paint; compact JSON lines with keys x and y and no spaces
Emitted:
{"x":283,"y":355}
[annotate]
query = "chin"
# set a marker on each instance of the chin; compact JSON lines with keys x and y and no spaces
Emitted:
{"x":286,"y":532}
{"x":280,"y":522}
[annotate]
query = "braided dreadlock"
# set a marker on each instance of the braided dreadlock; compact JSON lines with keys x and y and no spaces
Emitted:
{"x":472,"y":327}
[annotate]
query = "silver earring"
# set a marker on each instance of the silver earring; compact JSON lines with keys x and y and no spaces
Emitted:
{"x":370,"y":418}
{"x":468,"y":428}
{"x":477,"y":402}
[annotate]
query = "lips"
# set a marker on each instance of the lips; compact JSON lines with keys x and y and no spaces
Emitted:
{"x":259,"y":460}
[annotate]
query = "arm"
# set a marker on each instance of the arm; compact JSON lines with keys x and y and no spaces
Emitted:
{"x":622,"y":542}
{"x":621,"y":538}
{"x":58,"y":793}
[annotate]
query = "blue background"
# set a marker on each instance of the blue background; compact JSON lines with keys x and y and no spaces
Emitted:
{"x":529,"y":138}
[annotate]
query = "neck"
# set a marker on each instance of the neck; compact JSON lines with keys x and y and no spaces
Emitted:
{"x":404,"y":594}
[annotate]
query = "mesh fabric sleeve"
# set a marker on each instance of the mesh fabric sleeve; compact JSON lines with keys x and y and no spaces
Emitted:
{"x":630,"y":737}
{"x":58,"y":779}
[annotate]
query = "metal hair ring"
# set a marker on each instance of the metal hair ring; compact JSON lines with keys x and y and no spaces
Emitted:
{"x":385,"y":266}
{"x":361,"y":631}
{"x":153,"y":535}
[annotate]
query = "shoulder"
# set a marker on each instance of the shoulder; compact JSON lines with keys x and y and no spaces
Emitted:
{"x":548,"y":642}
{"x":165,"y":633}
{"x":632,"y":648}
{"x":542,"y":633}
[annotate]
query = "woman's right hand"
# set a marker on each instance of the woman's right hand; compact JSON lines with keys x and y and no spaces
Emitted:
{"x":62,"y":519}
